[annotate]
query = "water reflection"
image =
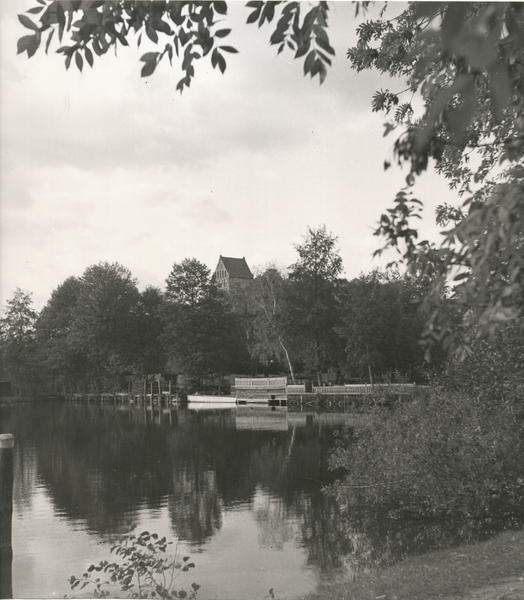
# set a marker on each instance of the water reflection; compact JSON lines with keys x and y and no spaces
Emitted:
{"x":106,"y":470}
{"x":241,"y":487}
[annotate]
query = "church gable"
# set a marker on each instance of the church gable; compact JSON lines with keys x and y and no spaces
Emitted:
{"x":230,"y":271}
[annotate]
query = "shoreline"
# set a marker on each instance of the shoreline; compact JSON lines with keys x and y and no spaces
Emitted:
{"x":489,"y":570}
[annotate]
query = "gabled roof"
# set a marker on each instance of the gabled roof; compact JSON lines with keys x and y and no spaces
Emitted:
{"x":236,"y":267}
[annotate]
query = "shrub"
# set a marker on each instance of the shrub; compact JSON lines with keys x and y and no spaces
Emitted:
{"x":434,"y":456}
{"x":457,"y":451}
{"x":146,"y":570}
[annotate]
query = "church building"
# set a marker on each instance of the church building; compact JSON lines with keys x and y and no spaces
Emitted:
{"x":231,"y":272}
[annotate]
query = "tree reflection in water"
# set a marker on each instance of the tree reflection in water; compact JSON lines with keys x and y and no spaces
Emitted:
{"x":101,"y":464}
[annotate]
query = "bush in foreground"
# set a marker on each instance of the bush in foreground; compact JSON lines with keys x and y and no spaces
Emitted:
{"x":145,"y":572}
{"x":457,"y":451}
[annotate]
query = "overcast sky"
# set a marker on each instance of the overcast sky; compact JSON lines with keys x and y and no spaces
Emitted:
{"x":108,"y":166}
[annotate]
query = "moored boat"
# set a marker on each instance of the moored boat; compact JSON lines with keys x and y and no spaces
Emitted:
{"x":211,"y":399}
{"x":211,"y":406}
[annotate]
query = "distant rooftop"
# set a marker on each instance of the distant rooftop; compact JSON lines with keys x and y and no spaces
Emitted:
{"x":236,"y":267}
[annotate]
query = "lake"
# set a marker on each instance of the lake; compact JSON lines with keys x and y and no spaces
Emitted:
{"x":239,"y":490}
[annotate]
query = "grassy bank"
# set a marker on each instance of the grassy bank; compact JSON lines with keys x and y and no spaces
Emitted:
{"x":447,"y":574}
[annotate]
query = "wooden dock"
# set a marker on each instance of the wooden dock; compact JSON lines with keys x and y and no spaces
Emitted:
{"x":364,"y":389}
{"x":154,"y":393}
{"x":266,"y":390}
{"x":260,"y":389}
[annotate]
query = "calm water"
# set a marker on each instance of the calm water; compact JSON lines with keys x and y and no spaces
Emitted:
{"x":238,"y":489}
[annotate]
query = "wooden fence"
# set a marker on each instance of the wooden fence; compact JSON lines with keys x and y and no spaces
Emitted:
{"x":243,"y":383}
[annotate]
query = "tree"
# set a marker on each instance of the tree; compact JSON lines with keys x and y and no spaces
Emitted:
{"x":61,"y":357}
{"x":268,"y":337}
{"x":188,"y":283}
{"x":203,"y":340}
{"x":466,"y":62}
{"x":202,"y":334}
{"x":104,"y":325}
{"x":17,"y":339}
{"x":96,"y":327}
{"x":151,"y":354}
{"x":381,"y":324}
{"x":185,"y":29}
{"x":312,"y":294}
{"x":319,"y":260}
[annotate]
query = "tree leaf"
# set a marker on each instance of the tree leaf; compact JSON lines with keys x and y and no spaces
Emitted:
{"x":151,"y":33}
{"x":48,"y":43}
{"x":148,"y":68}
{"x":26,"y":22}
{"x":500,"y":89}
{"x":61,"y":19}
{"x":89,"y":56}
{"x":253,"y":17}
{"x":308,"y":63}
{"x":459,"y":117}
{"x":148,"y":57}
{"x":163,"y":27}
{"x":97,"y":48}
{"x":221,"y":63}
{"x":220,"y":6}
{"x":324,"y":45}
{"x":303,"y":49}
{"x":214,"y":58}
{"x":79,"y":61}
{"x":28,"y":43}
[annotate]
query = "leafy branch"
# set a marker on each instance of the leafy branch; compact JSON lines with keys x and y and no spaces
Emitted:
{"x":188,"y":30}
{"x":144,"y":573}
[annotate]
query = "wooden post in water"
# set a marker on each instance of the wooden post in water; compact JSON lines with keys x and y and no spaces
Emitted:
{"x":7,"y":443}
{"x":152,"y":413}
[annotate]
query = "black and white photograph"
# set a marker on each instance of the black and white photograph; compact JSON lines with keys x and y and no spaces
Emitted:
{"x":262,"y":299}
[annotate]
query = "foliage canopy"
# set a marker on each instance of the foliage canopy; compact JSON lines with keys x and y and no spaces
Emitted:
{"x":188,"y":283}
{"x":17,"y":338}
{"x":464,"y":62}
{"x":186,"y":30}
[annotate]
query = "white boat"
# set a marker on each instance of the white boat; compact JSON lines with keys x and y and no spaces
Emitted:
{"x":212,"y":399}
{"x":211,"y":406}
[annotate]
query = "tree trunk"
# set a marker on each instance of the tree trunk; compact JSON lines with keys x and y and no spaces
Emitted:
{"x":370,"y":371}
{"x":290,"y":366}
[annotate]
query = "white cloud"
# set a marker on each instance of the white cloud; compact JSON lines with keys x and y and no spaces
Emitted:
{"x":105,"y":165}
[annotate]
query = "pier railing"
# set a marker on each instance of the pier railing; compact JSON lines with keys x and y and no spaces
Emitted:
{"x":366,"y":388}
{"x":243,"y":383}
{"x":296,"y":389}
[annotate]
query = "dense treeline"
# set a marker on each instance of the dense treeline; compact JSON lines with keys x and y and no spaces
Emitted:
{"x":98,"y":332}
